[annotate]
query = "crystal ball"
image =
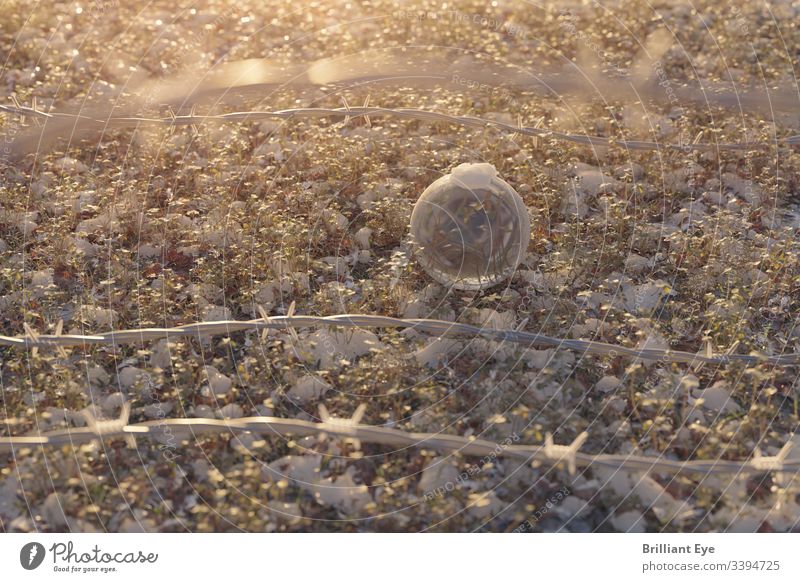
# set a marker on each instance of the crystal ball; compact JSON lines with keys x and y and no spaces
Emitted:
{"x":470,"y":229}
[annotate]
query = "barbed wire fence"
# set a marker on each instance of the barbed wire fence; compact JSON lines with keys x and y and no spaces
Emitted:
{"x":786,"y":461}
{"x":366,"y":112}
{"x":548,"y":454}
{"x":434,"y":327}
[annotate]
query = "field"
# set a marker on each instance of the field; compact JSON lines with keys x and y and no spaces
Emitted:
{"x":674,"y":228}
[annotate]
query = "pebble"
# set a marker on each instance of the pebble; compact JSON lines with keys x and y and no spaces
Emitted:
{"x":53,"y":512}
{"x":439,"y":472}
{"x":435,"y":350}
{"x":99,"y":315}
{"x":160,"y":355}
{"x":362,"y":237}
{"x":308,"y":388}
{"x":203,"y":411}
{"x":158,"y":409}
{"x":232,"y":410}
{"x":97,"y":376}
{"x":148,"y":251}
{"x":607,"y":384}
{"x":218,"y":383}
{"x":83,"y":201}
{"x":636,"y":263}
{"x":629,"y":521}
{"x":42,"y":279}
{"x":217,"y":313}
{"x":483,"y":505}
{"x":330,"y":347}
{"x":616,"y":404}
{"x":128,"y":376}
{"x":70,"y":165}
{"x":85,"y":247}
{"x":113,"y":403}
{"x":717,"y":397}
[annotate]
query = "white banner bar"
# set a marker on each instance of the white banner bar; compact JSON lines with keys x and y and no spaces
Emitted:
{"x":398,"y":557}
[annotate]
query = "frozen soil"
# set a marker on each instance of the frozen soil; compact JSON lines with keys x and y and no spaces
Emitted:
{"x":161,"y":227}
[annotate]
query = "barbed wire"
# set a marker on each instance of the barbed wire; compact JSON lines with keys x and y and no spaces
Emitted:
{"x":418,"y":114}
{"x":548,"y":454}
{"x":434,"y":327}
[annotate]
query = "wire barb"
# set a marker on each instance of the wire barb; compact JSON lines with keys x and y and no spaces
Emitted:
{"x":57,"y":332}
{"x":113,"y":427}
{"x":187,"y":428}
{"x":770,"y":464}
{"x":344,"y":426}
{"x":566,"y":453}
{"x":32,"y":336}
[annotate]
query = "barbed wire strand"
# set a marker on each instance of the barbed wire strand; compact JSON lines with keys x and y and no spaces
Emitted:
{"x":183,"y":428}
{"x":385,"y":435}
{"x":419,"y":114}
{"x":433,"y":327}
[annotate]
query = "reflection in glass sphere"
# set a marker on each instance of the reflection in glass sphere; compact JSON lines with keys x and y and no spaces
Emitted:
{"x":470,"y":229}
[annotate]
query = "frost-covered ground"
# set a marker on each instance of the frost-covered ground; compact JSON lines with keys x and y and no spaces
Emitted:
{"x":160,"y":227}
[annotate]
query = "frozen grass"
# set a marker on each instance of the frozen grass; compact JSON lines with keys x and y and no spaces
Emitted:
{"x":161,"y":227}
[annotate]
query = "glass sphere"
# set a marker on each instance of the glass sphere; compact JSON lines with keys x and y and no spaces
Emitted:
{"x":470,"y":229}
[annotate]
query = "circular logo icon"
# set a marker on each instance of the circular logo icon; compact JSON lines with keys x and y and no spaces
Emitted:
{"x":31,"y":555}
